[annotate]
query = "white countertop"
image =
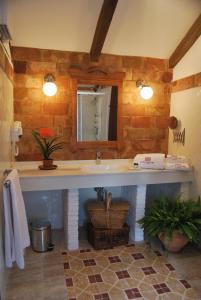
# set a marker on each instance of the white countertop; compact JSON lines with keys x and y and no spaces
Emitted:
{"x":86,"y":174}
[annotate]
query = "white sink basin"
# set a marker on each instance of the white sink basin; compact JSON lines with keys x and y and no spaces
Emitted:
{"x":101,"y":167}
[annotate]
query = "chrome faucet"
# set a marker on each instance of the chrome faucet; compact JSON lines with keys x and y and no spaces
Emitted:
{"x":98,"y":158}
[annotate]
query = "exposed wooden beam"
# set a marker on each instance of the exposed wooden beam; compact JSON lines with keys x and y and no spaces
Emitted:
{"x":189,"y":39}
{"x":103,"y":24}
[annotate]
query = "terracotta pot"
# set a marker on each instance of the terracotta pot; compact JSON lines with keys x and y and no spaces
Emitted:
{"x":47,"y":163}
{"x":176,"y":243}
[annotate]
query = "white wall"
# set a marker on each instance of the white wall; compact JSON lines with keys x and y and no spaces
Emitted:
{"x":6,"y":119}
{"x":186,"y":106}
{"x":191,"y":62}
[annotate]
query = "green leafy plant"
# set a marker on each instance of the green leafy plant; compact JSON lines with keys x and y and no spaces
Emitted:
{"x":47,"y":142}
{"x":172,"y":214}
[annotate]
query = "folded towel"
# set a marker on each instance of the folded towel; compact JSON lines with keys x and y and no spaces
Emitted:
{"x":176,"y":162}
{"x":16,"y":227}
{"x":177,"y":166}
{"x":150,"y":161}
{"x":176,"y":159}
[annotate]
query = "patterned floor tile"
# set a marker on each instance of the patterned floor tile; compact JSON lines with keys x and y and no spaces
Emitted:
{"x":137,"y":256}
{"x":103,"y":296}
{"x":114,"y":259}
{"x":185,"y":283}
{"x":170,"y":267}
{"x":95,"y":278}
{"x":148,"y":270}
{"x":89,"y":262}
{"x":126,"y":272}
{"x":122,"y":274}
{"x":69,"y":282}
{"x":161,"y":288}
{"x":133,"y":293}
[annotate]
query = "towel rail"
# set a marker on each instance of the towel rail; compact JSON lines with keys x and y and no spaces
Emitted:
{"x":7,"y":184}
{"x":6,"y":172}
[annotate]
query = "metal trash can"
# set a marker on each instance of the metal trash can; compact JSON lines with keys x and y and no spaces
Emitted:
{"x":41,"y":236}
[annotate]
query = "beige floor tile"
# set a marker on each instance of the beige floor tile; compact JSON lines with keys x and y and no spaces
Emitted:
{"x":144,"y":286}
{"x":126,"y":283}
{"x":126,"y":258}
{"x":171,"y":296}
{"x":117,"y":267}
{"x":92,"y":270}
{"x":81,"y":281}
{"x":196,"y":284}
{"x":192,"y":294}
{"x":117,"y":294}
{"x":149,"y":295}
{"x":76,"y":264}
{"x":85,"y":296}
{"x":102,"y":261}
{"x":98,"y":288}
{"x":109,"y":277}
{"x":175,"y":285}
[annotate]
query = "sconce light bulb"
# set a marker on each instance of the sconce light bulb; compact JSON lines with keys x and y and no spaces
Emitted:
{"x":49,"y":88}
{"x":146,"y":92}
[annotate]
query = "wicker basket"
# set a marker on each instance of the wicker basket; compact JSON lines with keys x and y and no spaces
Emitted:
{"x":108,"y":216}
{"x":103,"y":238}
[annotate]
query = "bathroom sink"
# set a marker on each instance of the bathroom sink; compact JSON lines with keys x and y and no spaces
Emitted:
{"x":101,"y":167}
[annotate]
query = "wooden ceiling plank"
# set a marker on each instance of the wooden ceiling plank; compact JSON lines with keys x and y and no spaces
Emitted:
{"x":103,"y":24}
{"x":189,"y":39}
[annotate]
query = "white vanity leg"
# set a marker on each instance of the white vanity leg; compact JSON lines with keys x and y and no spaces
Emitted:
{"x":184,"y":190}
{"x":71,"y":211}
{"x":136,"y":195}
{"x":140,"y":210}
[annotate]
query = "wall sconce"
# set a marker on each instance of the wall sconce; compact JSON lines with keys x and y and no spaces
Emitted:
{"x":49,"y":86}
{"x":146,"y":92}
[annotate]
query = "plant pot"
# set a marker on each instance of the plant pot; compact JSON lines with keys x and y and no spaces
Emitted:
{"x":47,"y":163}
{"x":176,"y":243}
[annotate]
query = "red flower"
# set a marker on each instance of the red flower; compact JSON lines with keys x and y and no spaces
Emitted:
{"x":46,"y":133}
{"x":47,"y":141}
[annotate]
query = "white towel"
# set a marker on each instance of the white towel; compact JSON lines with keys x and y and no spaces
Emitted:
{"x":150,"y":161}
{"x":175,"y":162}
{"x":16,"y":227}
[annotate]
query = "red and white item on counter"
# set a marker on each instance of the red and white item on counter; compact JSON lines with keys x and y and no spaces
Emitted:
{"x":150,"y":161}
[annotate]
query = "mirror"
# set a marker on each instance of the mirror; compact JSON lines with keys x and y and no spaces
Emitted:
{"x":97,"y":109}
{"x":97,"y":112}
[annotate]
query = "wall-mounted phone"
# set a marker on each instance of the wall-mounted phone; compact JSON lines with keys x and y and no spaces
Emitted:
{"x":16,"y":133}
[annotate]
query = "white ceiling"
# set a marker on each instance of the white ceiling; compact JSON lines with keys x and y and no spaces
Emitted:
{"x":139,"y":27}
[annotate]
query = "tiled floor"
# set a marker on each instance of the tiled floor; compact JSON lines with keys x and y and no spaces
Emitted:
{"x":126,"y":272}
{"x":44,"y":277}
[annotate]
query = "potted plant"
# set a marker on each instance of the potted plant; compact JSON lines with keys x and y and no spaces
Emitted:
{"x":47,"y":143}
{"x":174,"y":221}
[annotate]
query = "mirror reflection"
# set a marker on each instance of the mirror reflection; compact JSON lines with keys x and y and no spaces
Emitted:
{"x":97,"y":112}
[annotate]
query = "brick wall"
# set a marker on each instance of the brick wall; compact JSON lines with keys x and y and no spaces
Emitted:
{"x":144,"y":123}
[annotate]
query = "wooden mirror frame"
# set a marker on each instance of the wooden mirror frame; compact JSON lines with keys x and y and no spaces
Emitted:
{"x":98,"y":77}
